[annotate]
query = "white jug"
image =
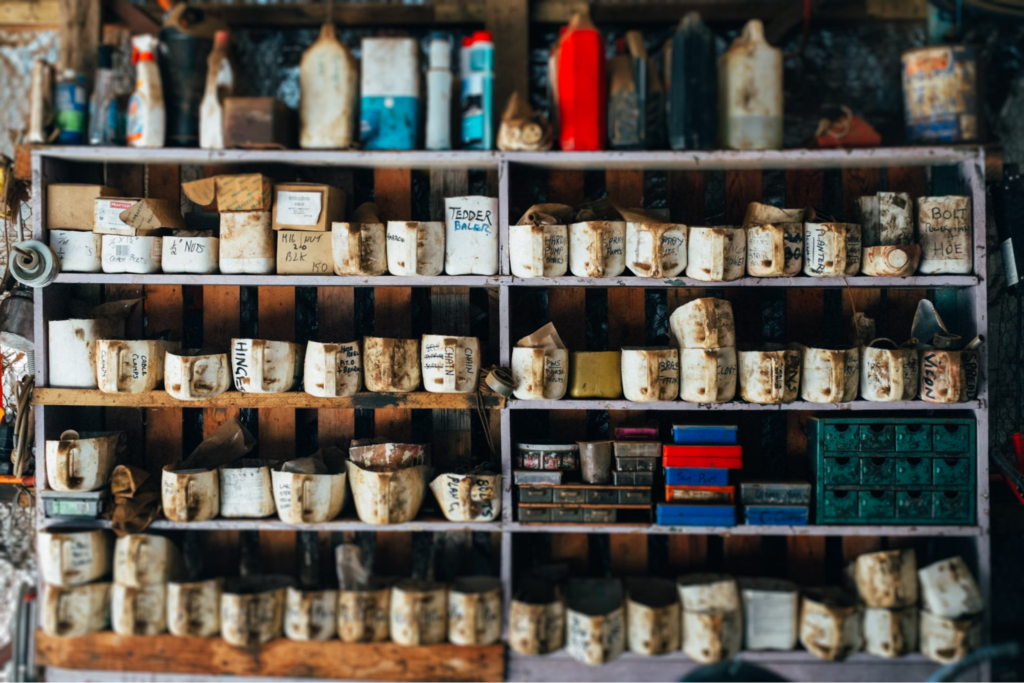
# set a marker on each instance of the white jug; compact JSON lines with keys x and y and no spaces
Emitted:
{"x":597,"y":248}
{"x":308,"y":498}
{"x":359,"y":249}
{"x":750,"y":102}
{"x":199,"y":255}
{"x":190,"y":495}
{"x":193,"y":608}
{"x":391,"y":365}
{"x":310,"y":615}
{"x":247,"y":243}
{"x":332,"y":370}
{"x":138,"y":611}
{"x":708,"y":375}
{"x":703,"y":324}
{"x":145,"y":559}
{"x":73,"y":558}
{"x":650,"y":374}
{"x":72,"y":352}
{"x":415,"y":248}
{"x":539,"y":373}
{"x":471,"y":236}
{"x":79,"y":252}
{"x":474,"y":610}
{"x":131,"y":367}
{"x":656,"y":249}
{"x":770,"y":374}
{"x":139,"y":255}
{"x":830,"y":375}
{"x":81,"y":461}
{"x":717,"y":254}
{"x":419,"y":613}
{"x":887,"y":579}
{"x":945,"y":235}
{"x":245,"y":489}
{"x":260,"y":366}
{"x":538,"y":250}
{"x":450,"y":365}
{"x":196,"y":374}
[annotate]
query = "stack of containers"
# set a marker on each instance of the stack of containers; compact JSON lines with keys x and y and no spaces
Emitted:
{"x":697,"y":489}
{"x":143,"y":564}
{"x":950,"y":612}
{"x":887,"y":585}
{"x":712,"y":617}
{"x":776,"y":503}
{"x":74,"y":600}
{"x":244,"y":202}
{"x":636,"y":456}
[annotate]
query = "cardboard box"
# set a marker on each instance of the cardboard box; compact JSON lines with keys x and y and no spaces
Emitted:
{"x":307,"y":206}
{"x":258,"y":123}
{"x":72,"y":207}
{"x":301,"y":252}
{"x":247,"y":192}
{"x":136,"y":217}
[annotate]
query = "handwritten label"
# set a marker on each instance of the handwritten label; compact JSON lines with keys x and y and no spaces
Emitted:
{"x":241,"y":358}
{"x":465,"y":219}
{"x":304,"y":252}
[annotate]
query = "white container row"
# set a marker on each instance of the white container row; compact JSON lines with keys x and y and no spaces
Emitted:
{"x":711,"y":617}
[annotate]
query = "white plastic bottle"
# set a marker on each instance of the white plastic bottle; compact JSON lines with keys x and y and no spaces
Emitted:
{"x":220,"y":82}
{"x":329,"y":81}
{"x":750,"y":92}
{"x":439,"y":93}
{"x":146,"y":115}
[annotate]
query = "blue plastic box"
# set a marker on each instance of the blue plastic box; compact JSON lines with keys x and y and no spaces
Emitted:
{"x":705,"y":435}
{"x":697,"y":515}
{"x":693,"y":476}
{"x":777,"y":515}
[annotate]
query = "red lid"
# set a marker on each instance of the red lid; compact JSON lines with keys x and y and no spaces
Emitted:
{"x":483,"y":37}
{"x":467,"y":41}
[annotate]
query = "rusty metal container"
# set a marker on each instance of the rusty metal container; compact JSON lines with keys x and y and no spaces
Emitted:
{"x":708,"y":375}
{"x":474,"y":610}
{"x":81,"y":461}
{"x":391,"y":365}
{"x":940,"y":94}
{"x":193,"y":607}
{"x":388,"y":497}
{"x":539,"y":373}
{"x":363,"y":615}
{"x":388,"y":456}
{"x":144,"y":560}
{"x":73,"y":611}
{"x":539,"y":250}
{"x":131,"y":367}
{"x":653,"y":615}
{"x":945,"y":235}
{"x":597,"y":248}
{"x":136,"y":611}
{"x":942,"y":378}
{"x":829,"y":375}
{"x":247,"y":243}
{"x":419,"y":612}
{"x":650,"y":374}
{"x":449,"y":364}
{"x":832,"y":249}
{"x":468,"y":497}
{"x":252,"y":610}
{"x":196,"y":374}
{"x":246,"y":490}
{"x":596,"y":620}
{"x":73,"y":558}
{"x":705,"y":323}
{"x":948,"y":589}
{"x":890,"y":633}
{"x":946,"y":640}
{"x":830,"y":624}
{"x":771,"y":614}
{"x":261,"y":366}
{"x":310,"y":614}
{"x":717,"y":254}
{"x":887,"y":579}
{"x":713,"y":635}
{"x":308,"y":498}
{"x":190,"y":495}
{"x":656,"y":249}
{"x":770,"y":374}
{"x":332,"y":370}
{"x":536,"y":624}
{"x":886,"y":219}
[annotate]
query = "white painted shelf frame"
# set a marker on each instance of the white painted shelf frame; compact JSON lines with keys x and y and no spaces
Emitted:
{"x":50,"y":164}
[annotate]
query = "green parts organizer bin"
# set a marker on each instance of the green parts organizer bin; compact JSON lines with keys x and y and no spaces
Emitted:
{"x":879,"y":470}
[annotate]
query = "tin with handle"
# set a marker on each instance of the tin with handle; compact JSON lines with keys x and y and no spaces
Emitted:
{"x":705,"y":323}
{"x":538,"y":250}
{"x":145,"y":559}
{"x":72,"y":352}
{"x":391,"y":365}
{"x":308,"y":498}
{"x":415,"y":248}
{"x":829,"y":375}
{"x":474,"y":610}
{"x":247,"y":243}
{"x":882,"y":379}
{"x":474,"y":497}
{"x":73,"y":611}
{"x":597,"y":248}
{"x":650,"y":374}
{"x":770,"y":374}
{"x":536,"y":622}
{"x":539,"y":373}
{"x":653,"y":616}
{"x":73,"y":558}
{"x":193,"y":607}
{"x":772,"y":250}
{"x":138,"y":611}
{"x":716,"y":254}
{"x":945,"y":235}
{"x":832,"y":249}
{"x":310,"y":615}
{"x":830,"y":624}
{"x":252,"y":610}
{"x":245,"y":489}
{"x":419,"y":612}
{"x":449,"y":364}
{"x":332,"y":370}
{"x":656,"y":249}
{"x":708,"y":375}
{"x":131,"y":367}
{"x":596,"y":620}
{"x":886,"y":219}
{"x":260,"y":366}
{"x":388,"y":497}
{"x":942,"y":376}
{"x":190,"y":495}
{"x":81,"y":461}
{"x":360,"y":249}
{"x":196,"y":374}
{"x":364,"y":614}
{"x":771,"y":613}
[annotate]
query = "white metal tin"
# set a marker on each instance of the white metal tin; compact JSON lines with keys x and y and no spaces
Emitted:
{"x":708,"y":375}
{"x":471,"y":235}
{"x":771,"y":614}
{"x":450,"y":365}
{"x":829,"y":375}
{"x":193,"y":608}
{"x":73,"y":611}
{"x":364,"y":615}
{"x":200,"y":255}
{"x":945,"y":235}
{"x":771,"y":375}
{"x":388,"y":497}
{"x":946,"y":640}
{"x":78,"y":251}
{"x":705,"y":323}
{"x":468,"y":497}
{"x":190,"y":495}
{"x":887,"y":579}
{"x":890,"y":633}
{"x":245,"y":489}
{"x":415,"y":248}
{"x":650,"y":374}
{"x":712,"y":636}
{"x":942,"y":376}
{"x":359,"y":249}
{"x":708,"y":592}
{"x":138,"y":611}
{"x":391,"y":365}
{"x":539,"y":250}
{"x":247,"y":243}
{"x":830,"y":625}
{"x":717,"y":254}
{"x":948,"y":589}
{"x":597,"y":248}
{"x":139,"y":255}
{"x":308,"y":498}
{"x":310,"y":615}
{"x":332,"y":370}
{"x":419,"y":613}
{"x":81,"y":461}
{"x":72,"y":351}
{"x":252,"y":611}
{"x":656,"y":249}
{"x":653,"y":616}
{"x":145,"y":559}
{"x":260,"y":366}
{"x":540,"y":373}
{"x":196,"y":374}
{"x":131,"y":367}
{"x":596,"y":621}
{"x":774,"y":250}
{"x":474,"y":610}
{"x":882,"y":378}
{"x":73,"y":558}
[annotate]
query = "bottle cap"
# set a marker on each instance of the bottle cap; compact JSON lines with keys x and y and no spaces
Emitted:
{"x":482,"y":37}
{"x":221,"y":38}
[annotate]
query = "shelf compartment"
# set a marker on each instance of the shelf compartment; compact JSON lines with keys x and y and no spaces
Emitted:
{"x":51,"y":396}
{"x":288,"y":659}
{"x":274,"y":524}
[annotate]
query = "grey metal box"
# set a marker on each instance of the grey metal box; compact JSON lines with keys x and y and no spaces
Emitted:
{"x":534,"y":514}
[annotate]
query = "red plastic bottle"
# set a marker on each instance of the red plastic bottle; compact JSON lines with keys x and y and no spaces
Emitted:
{"x":582,"y":87}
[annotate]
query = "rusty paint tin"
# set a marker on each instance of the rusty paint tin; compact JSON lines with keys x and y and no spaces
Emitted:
{"x":474,"y":610}
{"x":653,"y":616}
{"x":940,"y":94}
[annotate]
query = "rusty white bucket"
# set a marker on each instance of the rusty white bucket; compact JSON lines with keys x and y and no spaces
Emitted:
{"x":138,"y":611}
{"x":771,"y":613}
{"x":831,"y":249}
{"x":308,"y":498}
{"x":199,"y":255}
{"x":471,"y":235}
{"x":190,"y":495}
{"x":415,"y":248}
{"x":310,"y":614}
{"x":363,"y":615}
{"x":539,"y":250}
{"x":78,"y":251}
{"x":539,"y":373}
{"x":73,"y":558}
{"x":881,"y":371}
{"x":942,"y":376}
{"x":450,"y":365}
{"x":72,"y":352}
{"x":131,"y":367}
{"x":252,"y":610}
{"x":597,"y":248}
{"x":830,"y":624}
{"x":653,"y":616}
{"x":948,"y":589}
{"x":260,"y":366}
{"x":703,"y":324}
{"x":713,"y":635}
{"x":193,"y":608}
{"x":892,"y":261}
{"x":536,"y":623}
{"x":73,"y":611}
{"x":247,"y":243}
{"x":196,"y":374}
{"x":144,"y":560}
{"x":360,"y":249}
{"x":474,"y":610}
{"x":887,"y":579}
{"x":81,"y":461}
{"x":388,"y":456}
{"x":708,"y":375}
{"x":890,"y":633}
{"x":419,"y":612}
{"x":946,"y":640}
{"x":829,"y":375}
{"x":468,"y":497}
{"x":770,"y":374}
{"x":775,"y":250}
{"x":388,"y":497}
{"x":245,"y":489}
{"x":596,"y":619}
{"x":332,"y":370}
{"x":391,"y":365}
{"x":717,"y":254}
{"x":886,"y":219}
{"x":656,"y":249}
{"x":945,"y":235}
{"x":140,"y":255}
{"x":650,"y":374}
{"x":708,"y":592}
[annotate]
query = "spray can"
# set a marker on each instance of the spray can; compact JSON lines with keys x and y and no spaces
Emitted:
{"x":146,"y":116}
{"x":439,"y":93}
{"x":478,"y":93}
{"x":71,"y":106}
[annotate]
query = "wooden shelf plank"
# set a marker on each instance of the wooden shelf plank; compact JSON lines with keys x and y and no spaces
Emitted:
{"x":51,"y":396}
{"x":746,"y":530}
{"x":290,"y":659}
{"x":622,"y":404}
{"x":275,"y":524}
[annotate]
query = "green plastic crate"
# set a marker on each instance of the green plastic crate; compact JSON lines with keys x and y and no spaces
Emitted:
{"x":882,"y":470}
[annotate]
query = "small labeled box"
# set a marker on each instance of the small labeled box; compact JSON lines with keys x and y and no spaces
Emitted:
{"x":307,"y":206}
{"x":304,"y":253}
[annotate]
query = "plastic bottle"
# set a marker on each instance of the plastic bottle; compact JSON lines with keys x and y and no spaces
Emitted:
{"x":693,"y":85}
{"x":146,"y":116}
{"x":40,"y":102}
{"x":71,"y":106}
{"x":103,"y":103}
{"x":389,"y":108}
{"x":582,"y":87}
{"x":750,"y":92}
{"x":220,"y":82}
{"x":478,"y":94}
{"x":328,"y":79}
{"x":186,"y":40}
{"x":439,"y":93}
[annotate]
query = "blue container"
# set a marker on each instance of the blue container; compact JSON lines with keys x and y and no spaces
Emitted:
{"x":389,"y":122}
{"x":691,"y":476}
{"x":697,"y":515}
{"x":704,"y":435}
{"x":776,"y":515}
{"x":70,"y":107}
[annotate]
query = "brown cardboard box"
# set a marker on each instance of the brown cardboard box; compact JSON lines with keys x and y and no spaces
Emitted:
{"x":307,"y":206}
{"x":72,"y":207}
{"x":300,"y":252}
{"x":136,"y":217}
{"x":258,"y":123}
{"x":248,"y":192}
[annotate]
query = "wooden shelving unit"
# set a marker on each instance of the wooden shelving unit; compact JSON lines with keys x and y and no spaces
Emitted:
{"x":509,"y":173}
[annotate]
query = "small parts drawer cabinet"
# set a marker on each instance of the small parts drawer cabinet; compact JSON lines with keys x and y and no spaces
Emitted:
{"x":872,"y":470}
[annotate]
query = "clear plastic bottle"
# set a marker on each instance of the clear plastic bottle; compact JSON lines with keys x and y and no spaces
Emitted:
{"x":146,"y":115}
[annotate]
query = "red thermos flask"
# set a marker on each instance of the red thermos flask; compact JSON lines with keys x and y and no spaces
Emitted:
{"x":582,"y":87}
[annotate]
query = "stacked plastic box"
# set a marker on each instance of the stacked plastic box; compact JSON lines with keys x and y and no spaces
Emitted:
{"x":697,"y":488}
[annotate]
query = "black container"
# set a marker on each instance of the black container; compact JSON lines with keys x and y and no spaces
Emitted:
{"x":184,"y":49}
{"x":693,"y":87}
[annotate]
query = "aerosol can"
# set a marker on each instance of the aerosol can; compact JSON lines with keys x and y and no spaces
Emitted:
{"x":478,"y":93}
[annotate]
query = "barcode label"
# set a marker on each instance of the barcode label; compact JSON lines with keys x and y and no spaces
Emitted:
{"x":121,"y":249}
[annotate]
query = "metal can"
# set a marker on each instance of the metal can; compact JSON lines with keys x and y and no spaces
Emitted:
{"x":70,"y":104}
{"x":940,"y":94}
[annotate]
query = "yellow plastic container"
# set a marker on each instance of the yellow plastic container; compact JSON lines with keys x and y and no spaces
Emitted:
{"x":595,"y":374}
